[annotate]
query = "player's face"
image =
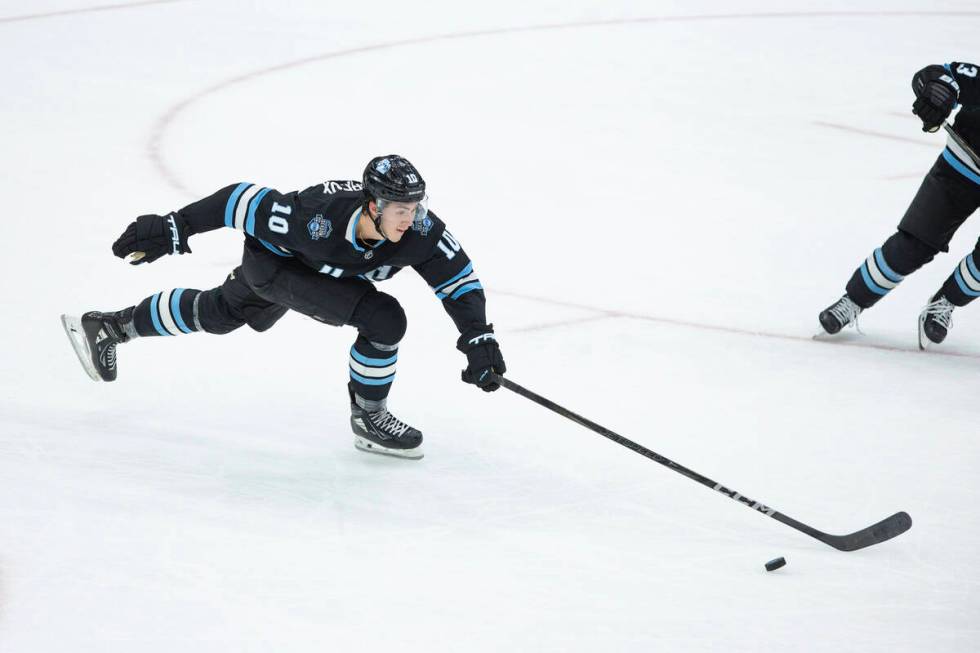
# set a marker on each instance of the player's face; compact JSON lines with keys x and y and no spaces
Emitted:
{"x":397,"y":218}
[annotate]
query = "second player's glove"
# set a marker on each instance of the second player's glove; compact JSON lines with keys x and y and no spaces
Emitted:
{"x":153,"y":236}
{"x":936,"y":93}
{"x":482,"y":356}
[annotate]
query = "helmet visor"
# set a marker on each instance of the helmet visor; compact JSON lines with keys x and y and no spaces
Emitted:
{"x":421,"y":207}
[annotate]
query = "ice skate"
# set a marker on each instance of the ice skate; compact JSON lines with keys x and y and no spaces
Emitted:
{"x":935,"y":321}
{"x":94,"y":337}
{"x":841,"y":313}
{"x":381,"y":432}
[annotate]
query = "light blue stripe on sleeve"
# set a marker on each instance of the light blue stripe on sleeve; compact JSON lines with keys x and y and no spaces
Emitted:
{"x":252,"y":207}
{"x":155,"y":315}
{"x":230,"y":206}
{"x":463,"y":273}
{"x":175,"y":309}
{"x":959,"y":167}
{"x":272,"y":248}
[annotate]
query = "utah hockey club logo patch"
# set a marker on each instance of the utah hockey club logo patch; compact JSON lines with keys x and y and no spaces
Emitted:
{"x":423,"y":226}
{"x":319,"y":227}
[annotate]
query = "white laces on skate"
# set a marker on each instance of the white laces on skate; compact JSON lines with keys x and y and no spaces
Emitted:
{"x":941,"y":311}
{"x":389,"y":423}
{"x":846,"y":312}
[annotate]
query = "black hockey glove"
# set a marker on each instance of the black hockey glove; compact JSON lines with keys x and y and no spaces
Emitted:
{"x":482,"y":356}
{"x":153,"y":236}
{"x":936,"y":93}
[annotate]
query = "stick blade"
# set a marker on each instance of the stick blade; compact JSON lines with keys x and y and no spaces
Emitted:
{"x":883,"y":531}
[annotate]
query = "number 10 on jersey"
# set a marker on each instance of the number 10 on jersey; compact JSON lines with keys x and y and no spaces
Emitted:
{"x":278,"y":223}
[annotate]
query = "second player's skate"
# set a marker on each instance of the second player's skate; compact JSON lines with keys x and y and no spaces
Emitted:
{"x":935,"y":321}
{"x":840,"y":314}
{"x":383,"y":433}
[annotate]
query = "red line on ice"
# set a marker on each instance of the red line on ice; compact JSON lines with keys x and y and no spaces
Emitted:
{"x":602,"y":313}
{"x":159,"y":131}
{"x":163,"y":123}
{"x":83,"y":10}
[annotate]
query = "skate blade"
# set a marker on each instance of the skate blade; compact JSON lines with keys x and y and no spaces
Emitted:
{"x":840,"y":336}
{"x":924,"y":341}
{"x":73,"y":327}
{"x":363,"y":444}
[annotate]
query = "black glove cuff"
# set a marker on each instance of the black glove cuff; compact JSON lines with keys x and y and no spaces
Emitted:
{"x":475,"y":336}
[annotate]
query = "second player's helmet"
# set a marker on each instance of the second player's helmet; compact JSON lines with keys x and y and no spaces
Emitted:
{"x":393,"y":178}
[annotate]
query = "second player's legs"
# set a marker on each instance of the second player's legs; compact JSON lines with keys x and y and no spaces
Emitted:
{"x":944,"y":200}
{"x":886,"y":267}
{"x":963,"y":285}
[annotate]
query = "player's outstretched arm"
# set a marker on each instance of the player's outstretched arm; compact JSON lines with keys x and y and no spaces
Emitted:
{"x":259,"y":212}
{"x":449,"y":272}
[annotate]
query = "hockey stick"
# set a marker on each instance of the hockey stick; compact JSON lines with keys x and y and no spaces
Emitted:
{"x":884,"y":530}
{"x":953,"y":134}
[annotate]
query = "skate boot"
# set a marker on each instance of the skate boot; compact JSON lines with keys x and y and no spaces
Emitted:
{"x":935,"y":321}
{"x":839,"y":314}
{"x":94,"y":337}
{"x":378,"y":431}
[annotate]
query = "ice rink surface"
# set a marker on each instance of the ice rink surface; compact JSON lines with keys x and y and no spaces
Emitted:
{"x":659,"y":198}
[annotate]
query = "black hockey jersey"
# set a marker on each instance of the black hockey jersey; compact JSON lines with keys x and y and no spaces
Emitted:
{"x":318,"y":227}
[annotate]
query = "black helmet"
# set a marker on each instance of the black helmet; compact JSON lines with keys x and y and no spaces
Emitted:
{"x":393,"y":178}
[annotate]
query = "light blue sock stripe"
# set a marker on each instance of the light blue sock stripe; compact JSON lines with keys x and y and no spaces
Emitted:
{"x":959,"y":167}
{"x":373,"y":362}
{"x":366,"y":381}
{"x":872,"y":286}
{"x":463,"y":273}
{"x":155,"y":315}
{"x":253,"y":205}
{"x":969,"y":292}
{"x":175,"y":309}
{"x":230,"y":206}
{"x":462,"y":290}
{"x":890,"y":274}
{"x":972,"y":266}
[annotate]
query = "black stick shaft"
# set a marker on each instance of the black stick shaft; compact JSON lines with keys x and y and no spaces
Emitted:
{"x":884,"y":530}
{"x":638,"y":448}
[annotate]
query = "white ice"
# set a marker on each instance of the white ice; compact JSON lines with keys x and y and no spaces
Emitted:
{"x":659,"y":198}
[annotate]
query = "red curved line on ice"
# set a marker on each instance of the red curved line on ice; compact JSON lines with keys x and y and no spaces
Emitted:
{"x":163,"y":123}
{"x":83,"y":10}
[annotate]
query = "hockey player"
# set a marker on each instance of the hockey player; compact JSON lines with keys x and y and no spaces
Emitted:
{"x":948,"y":195}
{"x":318,"y":252}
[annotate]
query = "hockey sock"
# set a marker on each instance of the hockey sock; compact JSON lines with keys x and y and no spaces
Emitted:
{"x":963,"y":286}
{"x":899,"y":256}
{"x":168,"y":313}
{"x":873,"y":280}
{"x":372,"y":369}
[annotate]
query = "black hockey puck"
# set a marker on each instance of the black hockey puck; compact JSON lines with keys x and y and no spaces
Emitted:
{"x":773,"y":565}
